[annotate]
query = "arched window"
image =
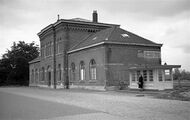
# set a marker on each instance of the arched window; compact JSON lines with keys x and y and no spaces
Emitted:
{"x":72,"y":67}
{"x":43,"y":74}
{"x":72,"y":71}
{"x":36,"y":75}
{"x":49,"y":75}
{"x":59,"y":72}
{"x":82,"y":70}
{"x":92,"y":69}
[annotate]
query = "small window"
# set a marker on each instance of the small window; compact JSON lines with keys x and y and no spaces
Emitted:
{"x":160,"y":75}
{"x":124,"y":35}
{"x":140,"y":54}
{"x":32,"y":76}
{"x":72,"y":71}
{"x":167,"y":72}
{"x":43,"y":74}
{"x":94,"y":38}
{"x":59,"y":72}
{"x":167,"y":75}
{"x":150,"y":75}
{"x":73,"y":67}
{"x":36,"y":74}
{"x":138,"y":73}
{"x":145,"y":75}
{"x":152,"y":54}
{"x":133,"y":76}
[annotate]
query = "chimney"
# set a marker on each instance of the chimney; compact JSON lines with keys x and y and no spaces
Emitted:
{"x":58,"y":17}
{"x":95,"y":16}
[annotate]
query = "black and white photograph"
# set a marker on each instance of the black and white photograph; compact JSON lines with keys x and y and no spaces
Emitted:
{"x":94,"y":60}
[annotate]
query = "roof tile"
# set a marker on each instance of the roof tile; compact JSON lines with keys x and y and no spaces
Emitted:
{"x":113,"y":35}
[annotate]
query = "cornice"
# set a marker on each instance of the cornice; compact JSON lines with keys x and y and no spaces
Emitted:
{"x":77,"y":24}
{"x":114,"y":43}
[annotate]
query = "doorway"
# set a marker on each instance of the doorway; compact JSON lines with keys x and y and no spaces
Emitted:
{"x":49,"y":75}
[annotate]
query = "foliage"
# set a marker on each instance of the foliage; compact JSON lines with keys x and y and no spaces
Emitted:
{"x":181,"y":74}
{"x":14,"y":67}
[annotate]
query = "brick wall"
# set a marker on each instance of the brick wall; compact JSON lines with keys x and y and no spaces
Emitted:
{"x":96,"y":53}
{"x":120,"y":57}
{"x":34,"y":74}
{"x":62,"y":36}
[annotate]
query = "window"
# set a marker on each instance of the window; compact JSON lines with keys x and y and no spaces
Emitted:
{"x":140,"y":54}
{"x":160,"y":75}
{"x":94,"y":38}
{"x":50,"y":48}
{"x":82,"y":70}
{"x":59,"y":72}
{"x":145,"y":75}
{"x":152,"y":54}
{"x":42,"y":51}
{"x":72,"y":71}
{"x":32,"y":76}
{"x":138,"y":73}
{"x":73,"y":67}
{"x":49,"y":75}
{"x":92,"y":69}
{"x":133,"y":76}
{"x":46,"y":50}
{"x":167,"y":75}
{"x":36,"y":74}
{"x":150,"y":75}
{"x":124,"y":35}
{"x":60,"y":46}
{"x":56,"y":47}
{"x":43,"y":74}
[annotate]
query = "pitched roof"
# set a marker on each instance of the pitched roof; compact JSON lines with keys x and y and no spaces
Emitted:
{"x":113,"y":35}
{"x":35,"y":60}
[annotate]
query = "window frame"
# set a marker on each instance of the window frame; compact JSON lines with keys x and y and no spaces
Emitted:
{"x":43,"y":74}
{"x":82,"y":71}
{"x":145,"y":75}
{"x":160,"y":76}
{"x":151,"y":75}
{"x":92,"y":70}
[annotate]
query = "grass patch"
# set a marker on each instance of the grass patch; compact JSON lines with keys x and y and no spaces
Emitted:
{"x":175,"y":94}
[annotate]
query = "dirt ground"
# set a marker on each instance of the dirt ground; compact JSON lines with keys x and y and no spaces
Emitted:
{"x":132,"y":105}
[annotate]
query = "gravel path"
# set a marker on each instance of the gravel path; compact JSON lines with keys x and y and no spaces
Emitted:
{"x":119,"y":105}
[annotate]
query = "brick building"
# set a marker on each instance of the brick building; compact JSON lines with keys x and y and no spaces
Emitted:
{"x":97,"y":55}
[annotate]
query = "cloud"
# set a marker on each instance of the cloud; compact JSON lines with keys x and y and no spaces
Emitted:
{"x":159,"y":8}
{"x":162,"y":21}
{"x":185,"y":48}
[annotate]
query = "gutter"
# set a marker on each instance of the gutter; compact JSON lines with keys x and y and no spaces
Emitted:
{"x":116,"y":43}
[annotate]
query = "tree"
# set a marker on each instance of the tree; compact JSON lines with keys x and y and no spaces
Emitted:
{"x":14,"y":63}
{"x":176,"y":74}
{"x":181,"y":74}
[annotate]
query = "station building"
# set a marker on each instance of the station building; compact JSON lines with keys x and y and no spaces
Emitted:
{"x":94,"y":55}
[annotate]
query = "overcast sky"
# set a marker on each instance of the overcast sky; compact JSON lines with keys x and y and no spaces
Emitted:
{"x":162,"y":21}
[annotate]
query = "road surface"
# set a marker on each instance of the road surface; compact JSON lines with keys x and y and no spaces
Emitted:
{"x":45,"y":104}
{"x":15,"y":107}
